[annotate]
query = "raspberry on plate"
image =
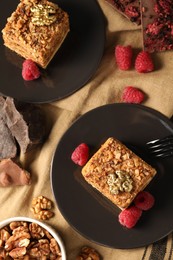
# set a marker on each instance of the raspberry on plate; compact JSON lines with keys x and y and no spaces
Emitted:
{"x":123,"y":56}
{"x":130,"y":216}
{"x":80,"y":154}
{"x":144,"y":200}
{"x":30,"y":71}
{"x":143,"y":62}
{"x":132,"y":95}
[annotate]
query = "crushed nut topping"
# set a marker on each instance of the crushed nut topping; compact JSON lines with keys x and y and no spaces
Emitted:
{"x":43,"y":15}
{"x":88,"y":253}
{"x":27,"y":241}
{"x":41,"y":208}
{"x":120,"y":181}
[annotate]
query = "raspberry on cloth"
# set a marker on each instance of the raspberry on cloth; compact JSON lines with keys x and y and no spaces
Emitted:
{"x":123,"y":57}
{"x":143,"y":62}
{"x":132,"y":95}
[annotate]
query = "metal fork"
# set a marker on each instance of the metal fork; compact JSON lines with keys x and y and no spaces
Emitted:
{"x":161,"y":147}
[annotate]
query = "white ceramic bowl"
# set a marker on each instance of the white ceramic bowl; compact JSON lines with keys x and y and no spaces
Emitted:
{"x":45,"y":226}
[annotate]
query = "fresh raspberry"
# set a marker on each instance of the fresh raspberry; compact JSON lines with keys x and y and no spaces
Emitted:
{"x":144,"y":200}
{"x":129,"y":217}
{"x":123,"y":56}
{"x":80,"y":154}
{"x":132,"y":95}
{"x":143,"y":62}
{"x":30,"y":71}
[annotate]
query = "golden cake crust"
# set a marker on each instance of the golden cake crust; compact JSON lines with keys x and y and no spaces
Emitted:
{"x":114,"y":157}
{"x":32,"y":41}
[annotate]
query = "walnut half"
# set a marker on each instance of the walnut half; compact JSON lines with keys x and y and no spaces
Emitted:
{"x":88,"y":253}
{"x":41,"y":208}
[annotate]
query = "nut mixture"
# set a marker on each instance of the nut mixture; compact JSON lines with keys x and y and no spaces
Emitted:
{"x":26,"y":240}
{"x":43,"y":15}
{"x":88,"y":253}
{"x":119,"y":181}
{"x":41,"y":207}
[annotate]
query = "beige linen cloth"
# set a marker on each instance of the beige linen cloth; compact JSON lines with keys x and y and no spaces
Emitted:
{"x":104,"y":87}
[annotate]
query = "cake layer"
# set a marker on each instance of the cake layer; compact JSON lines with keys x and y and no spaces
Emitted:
{"x":36,"y":30}
{"x":118,"y":173}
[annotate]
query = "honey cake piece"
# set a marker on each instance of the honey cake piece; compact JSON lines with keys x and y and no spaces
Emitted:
{"x":117,"y":172}
{"x":157,"y":25}
{"x":36,"y":30}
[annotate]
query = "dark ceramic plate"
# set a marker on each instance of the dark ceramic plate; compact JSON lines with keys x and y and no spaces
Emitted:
{"x":72,"y":66}
{"x":86,"y":210}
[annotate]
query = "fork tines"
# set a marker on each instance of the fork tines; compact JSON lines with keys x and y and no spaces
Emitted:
{"x":161,"y":147}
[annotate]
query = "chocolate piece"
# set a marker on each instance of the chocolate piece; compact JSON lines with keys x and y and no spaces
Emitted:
{"x":11,"y":174}
{"x":157,"y":25}
{"x":26,"y":123}
{"x":129,"y":8}
{"x":8,"y":147}
{"x":7,"y":142}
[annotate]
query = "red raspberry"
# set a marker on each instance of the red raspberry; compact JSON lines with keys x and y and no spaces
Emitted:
{"x":132,"y":95}
{"x":80,"y":154}
{"x":144,"y":200}
{"x":143,"y":62}
{"x":129,"y":217}
{"x":30,"y":70}
{"x":123,"y":56}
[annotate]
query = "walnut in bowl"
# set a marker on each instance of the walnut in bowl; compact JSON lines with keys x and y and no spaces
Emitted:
{"x":27,"y":238}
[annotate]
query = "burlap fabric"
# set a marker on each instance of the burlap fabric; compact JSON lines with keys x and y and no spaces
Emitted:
{"x":105,"y":87}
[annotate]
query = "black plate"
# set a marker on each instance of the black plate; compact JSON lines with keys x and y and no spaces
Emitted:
{"x":72,"y":66}
{"x":86,"y":210}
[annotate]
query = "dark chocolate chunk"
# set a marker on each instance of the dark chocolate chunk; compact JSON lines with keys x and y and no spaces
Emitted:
{"x":8,"y":147}
{"x":7,"y":142}
{"x":26,"y":123}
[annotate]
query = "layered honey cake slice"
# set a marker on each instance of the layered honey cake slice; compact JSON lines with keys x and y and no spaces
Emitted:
{"x":117,"y":172}
{"x":36,"y":30}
